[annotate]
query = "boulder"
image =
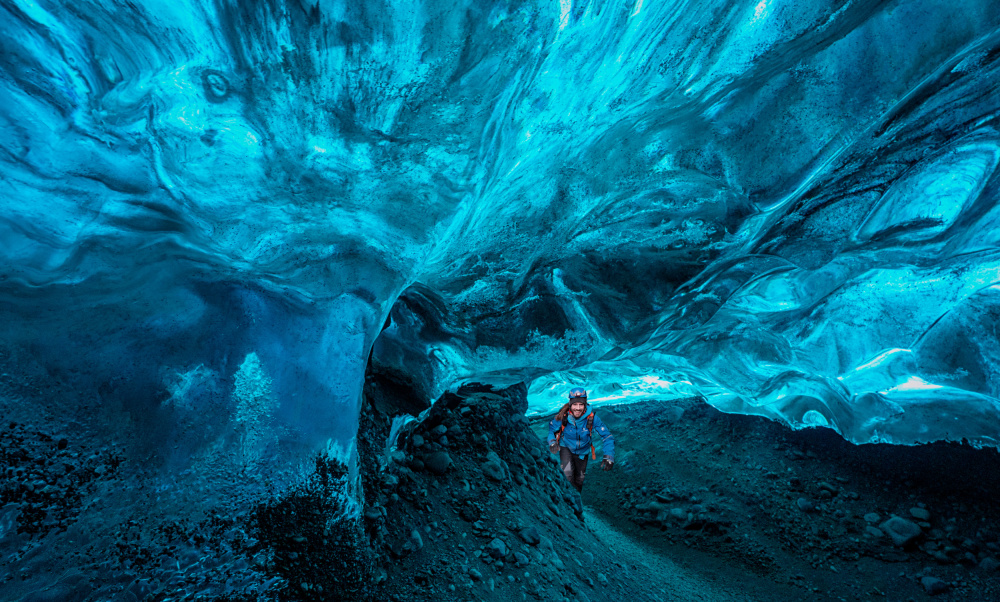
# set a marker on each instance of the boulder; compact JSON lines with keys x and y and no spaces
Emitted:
{"x":900,"y":530}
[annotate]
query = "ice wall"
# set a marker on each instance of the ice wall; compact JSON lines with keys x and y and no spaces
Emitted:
{"x":213,"y":210}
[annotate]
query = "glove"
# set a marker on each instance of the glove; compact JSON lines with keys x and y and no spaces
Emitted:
{"x":607,"y":464}
{"x":554,"y":447}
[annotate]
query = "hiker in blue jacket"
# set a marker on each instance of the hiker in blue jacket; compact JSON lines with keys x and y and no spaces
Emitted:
{"x":569,"y":436}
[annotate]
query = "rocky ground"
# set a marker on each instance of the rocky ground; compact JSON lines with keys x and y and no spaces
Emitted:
{"x":802,"y":515}
{"x":471,"y":506}
{"x":701,"y":506}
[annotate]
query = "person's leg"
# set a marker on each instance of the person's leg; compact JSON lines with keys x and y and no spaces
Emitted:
{"x":566,"y":463}
{"x":579,"y":471}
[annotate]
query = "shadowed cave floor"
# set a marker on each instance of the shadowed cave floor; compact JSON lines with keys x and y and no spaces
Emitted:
{"x":701,"y":506}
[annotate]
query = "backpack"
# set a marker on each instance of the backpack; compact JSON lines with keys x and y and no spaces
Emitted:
{"x":590,"y":429}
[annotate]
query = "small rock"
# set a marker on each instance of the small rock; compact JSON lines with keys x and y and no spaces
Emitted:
{"x":522,"y":560}
{"x":529,"y":535}
{"x":475,"y":575}
{"x":418,"y":441}
{"x":493,"y":471}
{"x":941,"y":557}
{"x":805,"y":505}
{"x":833,"y":490}
{"x":989,"y":564}
{"x":439,"y":430}
{"x":872,"y":518}
{"x":900,"y":530}
{"x":874,"y":532}
{"x":557,"y":562}
{"x":933,"y":585}
{"x":438,"y":462}
{"x":497,"y":548}
{"x":416,"y":540}
{"x":920,"y":514}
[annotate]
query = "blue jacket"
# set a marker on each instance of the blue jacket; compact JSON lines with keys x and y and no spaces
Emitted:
{"x":576,"y":437}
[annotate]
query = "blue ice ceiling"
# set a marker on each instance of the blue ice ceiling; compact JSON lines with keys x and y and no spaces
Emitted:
{"x":214,"y":212}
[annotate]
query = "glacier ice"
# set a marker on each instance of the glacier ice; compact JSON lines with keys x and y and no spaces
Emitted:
{"x":215,"y":213}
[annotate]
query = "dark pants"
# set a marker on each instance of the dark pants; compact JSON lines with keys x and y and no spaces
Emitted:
{"x":573,"y":467}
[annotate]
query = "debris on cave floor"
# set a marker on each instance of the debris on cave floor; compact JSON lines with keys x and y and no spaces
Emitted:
{"x":745,"y":498}
{"x":473,"y":507}
{"x":701,"y":506}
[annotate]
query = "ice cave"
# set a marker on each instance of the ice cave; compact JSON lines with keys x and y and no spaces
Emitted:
{"x":290,"y":291}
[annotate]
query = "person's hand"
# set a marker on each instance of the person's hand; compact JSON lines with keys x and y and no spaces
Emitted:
{"x":554,"y":447}
{"x":607,"y":464}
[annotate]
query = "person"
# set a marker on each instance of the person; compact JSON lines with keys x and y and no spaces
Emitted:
{"x":570,"y":437}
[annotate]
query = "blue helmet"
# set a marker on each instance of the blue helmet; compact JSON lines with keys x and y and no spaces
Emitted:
{"x":578,"y":393}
